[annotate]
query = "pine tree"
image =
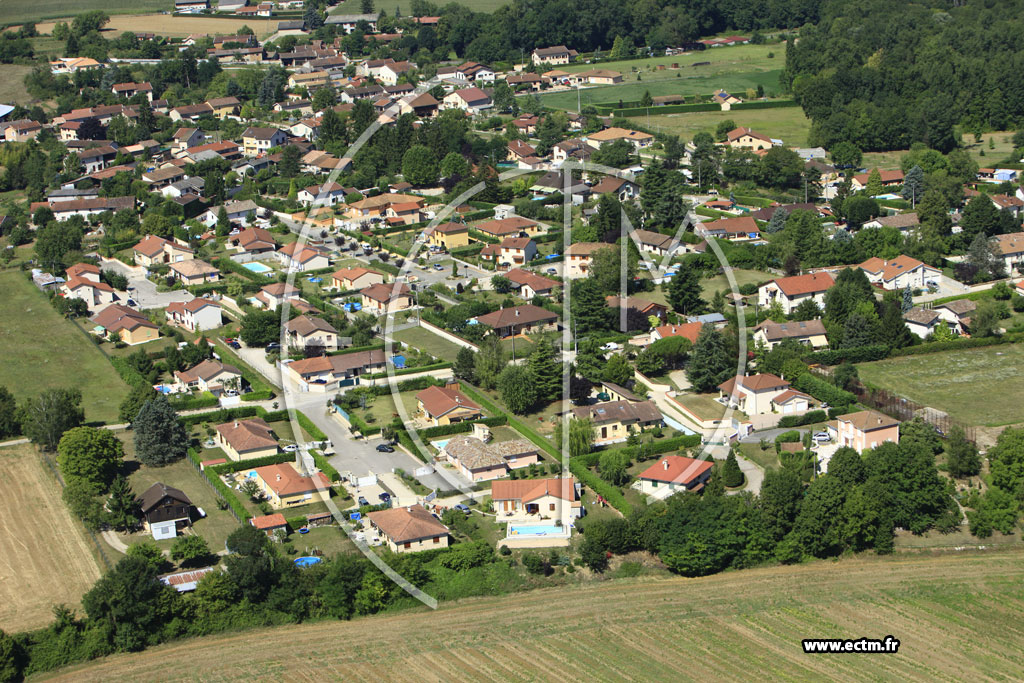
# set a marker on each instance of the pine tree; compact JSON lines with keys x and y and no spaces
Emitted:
{"x":913,"y":185}
{"x":121,"y":506}
{"x":684,"y":291}
{"x":464,"y":366}
{"x":778,"y":221}
{"x":962,"y":459}
{"x":546,"y":371}
{"x":732,"y":476}
{"x":908,"y":300}
{"x":874,"y":186}
{"x":160,"y":438}
{"x":710,"y":362}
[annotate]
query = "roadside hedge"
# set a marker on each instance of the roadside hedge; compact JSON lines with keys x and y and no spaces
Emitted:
{"x":958,"y":344}
{"x":327,"y":468}
{"x":822,"y":390}
{"x":264,"y":395}
{"x":412,"y":371}
{"x":805,"y":419}
{"x":194,"y":401}
{"x":771,"y":104}
{"x":221,"y":488}
{"x":309,"y":427}
{"x":462,"y":427}
{"x":667,"y":109}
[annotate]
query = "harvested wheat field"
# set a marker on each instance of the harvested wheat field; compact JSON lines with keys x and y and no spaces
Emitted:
{"x":957,"y":617}
{"x":45,"y":558}
{"x":178,"y":27}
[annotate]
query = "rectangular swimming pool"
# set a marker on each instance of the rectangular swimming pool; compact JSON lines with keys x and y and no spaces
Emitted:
{"x":537,"y":530}
{"x":258,"y":268}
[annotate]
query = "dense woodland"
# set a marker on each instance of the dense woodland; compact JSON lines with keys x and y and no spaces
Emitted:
{"x":885,"y":74}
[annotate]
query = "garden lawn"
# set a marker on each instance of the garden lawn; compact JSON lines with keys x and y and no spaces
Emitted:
{"x":786,"y":123}
{"x":768,"y":460}
{"x":425,"y":340}
{"x":383,"y":408}
{"x":978,"y":386}
{"x":41,"y":350}
{"x":215,"y":527}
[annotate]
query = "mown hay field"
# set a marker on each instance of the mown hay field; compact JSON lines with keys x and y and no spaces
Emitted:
{"x":957,"y":616}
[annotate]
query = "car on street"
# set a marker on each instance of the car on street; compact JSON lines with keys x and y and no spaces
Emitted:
{"x":362,"y":501}
{"x":385,"y":448}
{"x":438,"y":266}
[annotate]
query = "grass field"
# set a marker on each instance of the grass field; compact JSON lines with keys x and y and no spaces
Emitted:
{"x":735,"y":69}
{"x":12,"y":83}
{"x":167,"y":25}
{"x":958,"y":617}
{"x":354,"y":6}
{"x":425,"y":340}
{"x":37,"y":345}
{"x":961,"y":383}
{"x":17,"y":11}
{"x":45,"y":556}
{"x":786,"y":123}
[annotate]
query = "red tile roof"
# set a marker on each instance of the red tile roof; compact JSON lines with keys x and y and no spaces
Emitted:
{"x":809,"y":283}
{"x":676,"y":468}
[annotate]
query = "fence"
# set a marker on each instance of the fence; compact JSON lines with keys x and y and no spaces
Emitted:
{"x":206,"y":478}
{"x":905,"y":409}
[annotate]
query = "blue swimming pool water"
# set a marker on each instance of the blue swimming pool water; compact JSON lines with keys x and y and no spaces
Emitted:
{"x":257,"y":267}
{"x":536,"y":530}
{"x":440,"y":443}
{"x":306,"y":561}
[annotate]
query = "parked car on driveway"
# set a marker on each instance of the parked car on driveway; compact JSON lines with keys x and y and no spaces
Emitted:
{"x":385,"y":448}
{"x":462,"y":508}
{"x":386,"y":497}
{"x":362,"y":501}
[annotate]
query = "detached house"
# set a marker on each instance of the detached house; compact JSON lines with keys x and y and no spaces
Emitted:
{"x":790,"y":291}
{"x":899,"y":272}
{"x":655,"y":242}
{"x":386,"y":298}
{"x":446,"y":405}
{"x":209,"y":375}
{"x":133,"y":89}
{"x":469,"y":100}
{"x":253,"y":241}
{"x":864,"y":430}
{"x":197,"y":315}
{"x":922,"y":321}
{"x":449,"y":236}
{"x":165,"y":510}
{"x":889,"y":179}
{"x":578,"y":258}
{"x":272,"y":296}
{"x":285,"y":486}
{"x":674,"y":473}
{"x":83,"y":282}
{"x":529,"y":285}
{"x":129,"y":325}
{"x":409,"y":529}
{"x":256,"y":140}
{"x":352,"y":279}
{"x":513,"y":251}
{"x":513,"y":226}
{"x":614,"y":421}
{"x":153,"y":250}
{"x":301,"y":258}
{"x":732,"y":229}
{"x":808,"y":332}
{"x":754,"y":394}
{"x":479,"y":461}
{"x":524,"y":319}
{"x":636,"y":138}
{"x":559,"y":54}
{"x":1011,"y":248}
{"x":194,"y":272}
{"x":327,"y":194}
{"x":246,"y":439}
{"x":524,"y":500}
{"x":305,"y":331}
{"x":745,"y":138}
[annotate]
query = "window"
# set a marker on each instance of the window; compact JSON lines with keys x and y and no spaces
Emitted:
{"x":551,"y":506}
{"x":408,"y":545}
{"x":437,"y":539}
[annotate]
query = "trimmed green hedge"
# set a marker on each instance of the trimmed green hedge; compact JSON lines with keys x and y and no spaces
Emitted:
{"x":406,"y":440}
{"x":667,"y":109}
{"x":194,"y":401}
{"x":958,"y":344}
{"x":324,"y":466}
{"x":411,"y":371}
{"x":238,"y":466}
{"x":805,"y":419}
{"x":309,"y":427}
{"x":462,"y":427}
{"x":356,"y":349}
{"x":264,"y":395}
{"x":771,"y":104}
{"x":822,"y":390}
{"x":599,"y":486}
{"x":223,"y":415}
{"x":255,"y":380}
{"x":221,"y":488}
{"x":130,"y":375}
{"x":481,"y":237}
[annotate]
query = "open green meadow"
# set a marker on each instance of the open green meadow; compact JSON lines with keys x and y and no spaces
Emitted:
{"x":19,"y":11}
{"x":978,"y":386}
{"x":786,"y":123}
{"x":12,"y":83}
{"x":354,"y":6}
{"x":41,"y":350}
{"x":735,"y":69}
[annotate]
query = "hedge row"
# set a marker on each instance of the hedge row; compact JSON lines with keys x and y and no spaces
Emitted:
{"x":406,"y":440}
{"x":194,"y":401}
{"x":130,"y":375}
{"x":642,"y":452}
{"x":264,"y":395}
{"x":957,"y":344}
{"x":410,"y":371}
{"x":859,"y":354}
{"x":822,"y":390}
{"x":360,"y":425}
{"x":805,"y":419}
{"x":471,"y":250}
{"x":667,"y":109}
{"x":482,"y":237}
{"x":309,"y":427}
{"x":772,"y":104}
{"x":599,"y":486}
{"x":356,"y":349}
{"x":226,"y":264}
{"x":221,"y":488}
{"x":324,"y":466}
{"x":225,"y":414}
{"x":255,"y":380}
{"x":239,"y":465}
{"x":462,"y":427}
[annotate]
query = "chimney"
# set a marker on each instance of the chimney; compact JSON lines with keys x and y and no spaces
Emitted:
{"x":279,"y":477}
{"x":664,"y":464}
{"x":517,"y":312}
{"x":236,"y":424}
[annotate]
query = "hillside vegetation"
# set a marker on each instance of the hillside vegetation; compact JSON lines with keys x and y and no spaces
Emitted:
{"x":957,"y":617}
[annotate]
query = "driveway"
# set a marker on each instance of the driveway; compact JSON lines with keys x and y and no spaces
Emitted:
{"x":142,"y":290}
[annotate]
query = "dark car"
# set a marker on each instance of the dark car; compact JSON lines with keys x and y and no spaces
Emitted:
{"x":386,"y":497}
{"x":385,"y":448}
{"x":363,"y":501}
{"x":233,"y":344}
{"x":272,"y":346}
{"x":461,"y":508}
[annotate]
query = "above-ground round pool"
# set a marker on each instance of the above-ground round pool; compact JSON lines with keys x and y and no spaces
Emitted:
{"x":306,"y":561}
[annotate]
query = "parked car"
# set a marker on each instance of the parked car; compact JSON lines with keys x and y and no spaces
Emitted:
{"x":610,"y":346}
{"x":290,"y":448}
{"x":462,"y":508}
{"x":822,"y":436}
{"x":272,"y":346}
{"x":385,"y":448}
{"x":386,"y":497}
{"x":363,"y":501}
{"x":438,"y":266}
{"x":553,"y":271}
{"x":235,"y":345}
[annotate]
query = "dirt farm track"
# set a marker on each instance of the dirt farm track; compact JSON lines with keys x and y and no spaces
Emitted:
{"x":45,"y":557}
{"x":958,"y":617}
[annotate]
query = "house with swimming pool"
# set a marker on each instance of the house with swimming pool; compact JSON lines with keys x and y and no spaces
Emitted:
{"x":536,"y":500}
{"x":285,"y":486}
